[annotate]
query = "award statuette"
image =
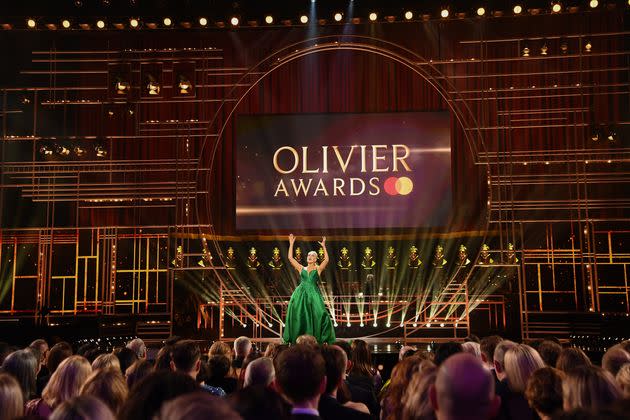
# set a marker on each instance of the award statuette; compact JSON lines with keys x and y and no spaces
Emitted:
{"x":511,"y":255}
{"x":276,"y":262}
{"x":462,"y":255}
{"x":391,"y":261}
{"x":252,"y":259}
{"x":414,"y":258}
{"x":298,"y":255}
{"x":438,"y":257}
{"x":344,"y":262}
{"x":368,"y":262}
{"x":484,"y":255}
{"x":230,"y":259}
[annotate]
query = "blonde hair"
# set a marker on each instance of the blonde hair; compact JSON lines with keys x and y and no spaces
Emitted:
{"x":472,"y":348}
{"x":106,"y":361}
{"x":109,"y":386}
{"x":623,"y":379}
{"x":67,"y":380}
{"x":520,"y":362}
{"x":11,"y":399}
{"x":313,"y":253}
{"x":220,"y":348}
{"x":416,"y":402}
{"x":82,"y":407}
{"x":589,"y":387}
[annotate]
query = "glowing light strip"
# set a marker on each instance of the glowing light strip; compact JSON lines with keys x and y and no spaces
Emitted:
{"x":254,"y":210}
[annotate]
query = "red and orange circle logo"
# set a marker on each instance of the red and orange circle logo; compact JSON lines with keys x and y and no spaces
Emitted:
{"x":398,"y":186}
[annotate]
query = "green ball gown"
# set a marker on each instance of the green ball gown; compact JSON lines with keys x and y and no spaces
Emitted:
{"x":307,"y":313}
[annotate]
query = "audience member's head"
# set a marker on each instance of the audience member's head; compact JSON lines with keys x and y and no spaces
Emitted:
{"x":42,"y":347}
{"x":589,"y":387}
{"x":126,"y":357}
{"x":614,"y":359}
{"x":186,"y":358}
{"x":472,"y":347}
{"x":137,"y":371}
{"x":109,"y":386}
{"x":23,"y":366}
{"x":301,"y":374}
{"x":242,"y":347}
{"x":82,"y":407}
{"x":11,"y":398}
{"x":498,"y":358}
{"x":57,"y":354}
{"x":218,"y":367}
{"x":572,"y":357}
{"x":260,"y":372}
{"x":220,"y":348}
{"x":406,"y":351}
{"x":148,"y":395}
{"x":137,"y":346}
{"x":401,"y":376}
{"x":446,"y":350}
{"x":544,"y":391}
{"x":106,"y":361}
{"x":67,"y":380}
{"x":487,"y":346}
{"x":464,"y":389}
{"x":307,"y":340}
{"x":197,"y":406}
{"x":336,"y":361}
{"x":623,"y":379}
{"x":549,"y":351}
{"x":520,"y":362}
{"x":361,"y":359}
{"x":416,"y":403}
{"x":259,"y":403}
{"x":163,"y":358}
{"x":269,"y":350}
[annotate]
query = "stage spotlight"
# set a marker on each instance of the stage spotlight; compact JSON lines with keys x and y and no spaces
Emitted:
{"x":65,"y":23}
{"x":184,"y":85}
{"x":134,"y":22}
{"x":100,"y":150}
{"x":153,"y":86}
{"x":444,"y":13}
{"x":234,"y":21}
{"x":526,"y":51}
{"x":268,"y":19}
{"x":544,"y":48}
{"x":167,"y":21}
{"x":31,"y":23}
{"x":304,"y":19}
{"x":122,"y":86}
{"x":593,"y":4}
{"x":388,"y":325}
{"x":588,"y":47}
{"x":78,"y":3}
{"x":409,"y":15}
{"x":45,"y":151}
{"x":62,"y":150}
{"x":373,"y":16}
{"x":100,"y":24}
{"x":338,"y":16}
{"x":348,"y":324}
{"x":442,"y":325}
{"x":375,"y":325}
{"x":203,"y":21}
{"x":79,"y":151}
{"x":556,"y":7}
{"x":362,"y":325}
{"x":481,"y":11}
{"x":517,"y":9}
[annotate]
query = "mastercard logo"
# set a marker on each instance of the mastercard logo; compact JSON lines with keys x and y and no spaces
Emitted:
{"x":398,"y":186}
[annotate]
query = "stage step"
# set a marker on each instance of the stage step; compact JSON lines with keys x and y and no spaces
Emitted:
{"x":154,"y":330}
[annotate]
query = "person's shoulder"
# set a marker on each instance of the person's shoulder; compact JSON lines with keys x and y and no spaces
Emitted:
{"x":330,"y":408}
{"x":214,"y":390}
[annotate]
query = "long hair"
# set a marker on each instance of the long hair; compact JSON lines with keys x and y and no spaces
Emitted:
{"x":109,"y":386}
{"x":22,"y":365}
{"x":11,"y":399}
{"x":589,"y":387}
{"x":361,"y":359}
{"x":520,"y":362}
{"x":401,"y":377}
{"x":82,"y":407}
{"x":67,"y":380}
{"x":416,"y":404}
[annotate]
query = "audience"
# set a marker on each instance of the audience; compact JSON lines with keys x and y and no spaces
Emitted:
{"x":310,"y":381}
{"x":544,"y":392}
{"x":11,"y":398}
{"x":464,"y":389}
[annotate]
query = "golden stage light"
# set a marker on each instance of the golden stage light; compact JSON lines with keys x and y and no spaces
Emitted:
{"x":338,"y":16}
{"x":593,"y":4}
{"x":373,"y":16}
{"x":65,"y":23}
{"x":203,"y":21}
{"x":408,"y":15}
{"x":100,"y":24}
{"x":517,"y":9}
{"x":134,"y":23}
{"x":481,"y":11}
{"x":444,"y":13}
{"x":167,"y":21}
{"x":588,"y":47}
{"x":268,"y":19}
{"x":122,"y":86}
{"x":234,"y":21}
{"x":153,"y":86}
{"x":304,"y":19}
{"x":556,"y":7}
{"x":184,"y":85}
{"x":100,"y":151}
{"x":31,"y":23}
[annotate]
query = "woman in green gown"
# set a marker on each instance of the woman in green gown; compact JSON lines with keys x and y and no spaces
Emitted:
{"x":307,"y":313}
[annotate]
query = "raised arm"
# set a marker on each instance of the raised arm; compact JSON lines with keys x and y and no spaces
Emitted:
{"x":322,"y":266}
{"x":292,"y":260}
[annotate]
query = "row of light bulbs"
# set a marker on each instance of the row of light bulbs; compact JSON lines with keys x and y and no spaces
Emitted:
{"x":556,"y":7}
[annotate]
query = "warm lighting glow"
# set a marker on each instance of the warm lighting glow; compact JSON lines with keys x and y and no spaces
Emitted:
{"x":167,"y":21}
{"x":517,"y":9}
{"x":203,"y":21}
{"x":556,"y":8}
{"x":338,"y":17}
{"x":269,"y":19}
{"x":304,"y":19}
{"x":234,"y":21}
{"x":100,"y":24}
{"x":408,"y":15}
{"x":134,"y":23}
{"x":373,"y":16}
{"x":594,"y":4}
{"x":444,"y":13}
{"x":31,"y":23}
{"x":588,"y":47}
{"x":65,"y":23}
{"x":481,"y":11}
